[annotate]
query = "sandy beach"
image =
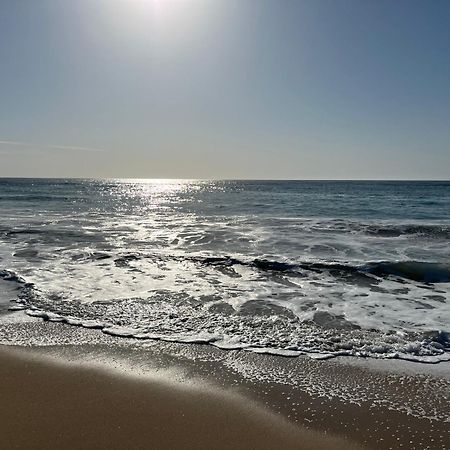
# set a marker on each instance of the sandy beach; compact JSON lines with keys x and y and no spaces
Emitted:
{"x":224,"y":224}
{"x":46,"y":405}
{"x":171,"y":395}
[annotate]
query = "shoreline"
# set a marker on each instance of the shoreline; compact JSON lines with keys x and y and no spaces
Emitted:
{"x":363,"y":403}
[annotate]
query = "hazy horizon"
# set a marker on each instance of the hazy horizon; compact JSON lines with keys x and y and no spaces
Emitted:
{"x":225,"y":89}
{"x":368,"y":180}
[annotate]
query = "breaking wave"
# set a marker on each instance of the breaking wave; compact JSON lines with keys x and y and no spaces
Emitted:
{"x":426,"y":272}
{"x":259,"y":326}
{"x":324,"y":268}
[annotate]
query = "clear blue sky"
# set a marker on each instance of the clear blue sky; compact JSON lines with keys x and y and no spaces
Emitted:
{"x":225,"y":88}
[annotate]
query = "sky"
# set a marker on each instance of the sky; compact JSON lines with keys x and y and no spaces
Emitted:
{"x":265,"y":89}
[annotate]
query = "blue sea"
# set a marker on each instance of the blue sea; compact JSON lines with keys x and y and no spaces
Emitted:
{"x":320,"y":268}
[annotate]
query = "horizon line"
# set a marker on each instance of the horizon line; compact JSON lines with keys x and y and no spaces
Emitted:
{"x":224,"y":179}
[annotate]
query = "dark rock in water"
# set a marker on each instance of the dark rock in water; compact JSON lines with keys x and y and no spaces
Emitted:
{"x":329,"y":321}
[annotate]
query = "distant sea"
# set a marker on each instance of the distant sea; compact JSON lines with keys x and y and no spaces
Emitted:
{"x":321,"y":268}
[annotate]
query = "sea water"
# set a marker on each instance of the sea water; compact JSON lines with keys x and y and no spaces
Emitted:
{"x":322,"y":268}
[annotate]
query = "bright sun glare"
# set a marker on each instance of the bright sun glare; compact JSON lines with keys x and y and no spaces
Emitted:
{"x":171,"y":20}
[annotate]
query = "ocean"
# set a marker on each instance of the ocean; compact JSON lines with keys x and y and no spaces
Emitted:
{"x":316,"y":268}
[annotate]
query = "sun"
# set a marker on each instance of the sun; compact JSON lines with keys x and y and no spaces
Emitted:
{"x":165,"y":28}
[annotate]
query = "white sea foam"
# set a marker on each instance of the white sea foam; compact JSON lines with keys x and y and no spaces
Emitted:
{"x":173,"y":264}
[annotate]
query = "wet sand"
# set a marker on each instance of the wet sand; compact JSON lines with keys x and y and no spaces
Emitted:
{"x":48,"y":405}
{"x":65,"y":386}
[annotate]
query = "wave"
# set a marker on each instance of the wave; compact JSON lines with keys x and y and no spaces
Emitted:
{"x":9,"y":275}
{"x":27,"y":197}
{"x":420,"y":271}
{"x":426,"y":272}
{"x":258,"y":325}
{"x":160,"y":318}
{"x":391,"y":230}
{"x":50,"y":235}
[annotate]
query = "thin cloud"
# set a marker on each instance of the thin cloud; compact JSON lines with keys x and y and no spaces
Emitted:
{"x":50,"y":146}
